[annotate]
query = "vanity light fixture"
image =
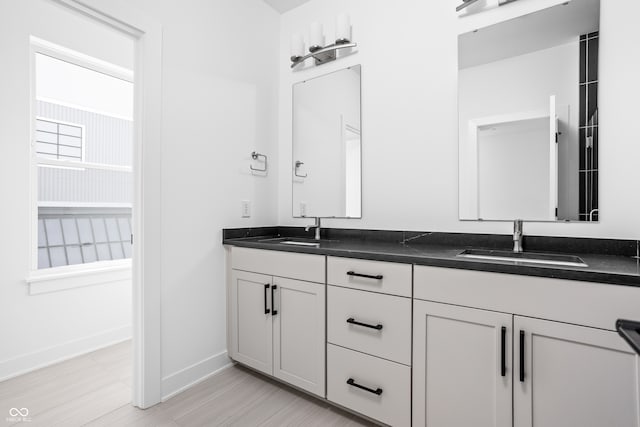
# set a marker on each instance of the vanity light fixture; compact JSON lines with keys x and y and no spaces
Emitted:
{"x":317,"y":49}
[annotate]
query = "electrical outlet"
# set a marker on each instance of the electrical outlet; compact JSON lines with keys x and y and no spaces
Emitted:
{"x":246,"y":209}
{"x":303,"y":209}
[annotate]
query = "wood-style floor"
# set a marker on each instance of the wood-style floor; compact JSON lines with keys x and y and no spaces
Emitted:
{"x":95,"y":390}
{"x":73,"y":392}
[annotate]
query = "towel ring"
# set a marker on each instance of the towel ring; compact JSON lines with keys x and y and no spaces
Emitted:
{"x":295,"y":171}
{"x":255,"y":155}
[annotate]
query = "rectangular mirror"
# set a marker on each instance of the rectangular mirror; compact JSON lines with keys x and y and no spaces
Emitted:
{"x":528,"y":117}
{"x":327,"y":146}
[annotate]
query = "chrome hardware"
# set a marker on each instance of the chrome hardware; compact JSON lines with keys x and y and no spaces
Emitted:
{"x":316,"y":225}
{"x":255,"y":155}
{"x":322,"y":55}
{"x":297,"y":166}
{"x":517,"y":236}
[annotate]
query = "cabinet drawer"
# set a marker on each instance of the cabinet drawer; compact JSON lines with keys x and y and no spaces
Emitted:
{"x":377,"y":276}
{"x":393,"y":380}
{"x":392,"y":314}
{"x":306,"y":267}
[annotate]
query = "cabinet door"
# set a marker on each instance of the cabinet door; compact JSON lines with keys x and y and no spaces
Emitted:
{"x":251,"y":322}
{"x":299,"y":334}
{"x":458,"y":359}
{"x":574,"y":376}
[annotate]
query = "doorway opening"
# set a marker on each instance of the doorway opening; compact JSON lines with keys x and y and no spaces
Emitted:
{"x":82,"y":199}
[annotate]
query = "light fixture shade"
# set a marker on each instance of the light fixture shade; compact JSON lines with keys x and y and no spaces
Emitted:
{"x":343,"y":28}
{"x":316,"y":36}
{"x":297,"y":46}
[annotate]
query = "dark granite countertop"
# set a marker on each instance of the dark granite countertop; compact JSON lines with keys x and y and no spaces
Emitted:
{"x":609,"y":261}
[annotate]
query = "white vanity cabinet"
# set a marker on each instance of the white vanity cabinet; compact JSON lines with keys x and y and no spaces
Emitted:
{"x":573,"y":376}
{"x":570,"y":369}
{"x":276,"y":312}
{"x":462,"y":366}
{"x":369,"y":338}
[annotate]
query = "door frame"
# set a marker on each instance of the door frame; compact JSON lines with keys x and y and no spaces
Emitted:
{"x":147,"y":203}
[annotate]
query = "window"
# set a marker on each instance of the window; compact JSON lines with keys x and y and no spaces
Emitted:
{"x":82,"y":161}
{"x":79,"y":236}
{"x":60,"y":141}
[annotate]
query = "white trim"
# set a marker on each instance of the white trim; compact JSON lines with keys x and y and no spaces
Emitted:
{"x":47,"y":204}
{"x":82,"y":165}
{"x":147,"y":218}
{"x":79,"y":280}
{"x":55,"y":354}
{"x":62,"y":53}
{"x":33,"y":165}
{"x":553,"y":159}
{"x":509,"y":118}
{"x":78,"y":276}
{"x":74,"y":270}
{"x":191,"y":375}
{"x":82,"y":108}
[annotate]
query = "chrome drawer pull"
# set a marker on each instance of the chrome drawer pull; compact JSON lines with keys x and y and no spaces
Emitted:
{"x":355,"y":322}
{"x":367,"y":276}
{"x":353,"y":383}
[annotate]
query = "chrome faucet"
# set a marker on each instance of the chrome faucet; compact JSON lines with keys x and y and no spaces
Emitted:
{"x":316,"y":226}
{"x":517,"y":236}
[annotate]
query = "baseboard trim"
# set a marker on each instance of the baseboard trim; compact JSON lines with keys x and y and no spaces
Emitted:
{"x":59,"y":353}
{"x":183,"y":379}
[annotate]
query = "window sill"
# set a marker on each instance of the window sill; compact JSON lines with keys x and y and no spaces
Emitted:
{"x":77,"y":276}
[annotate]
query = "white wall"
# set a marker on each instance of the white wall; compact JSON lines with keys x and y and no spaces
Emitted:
{"x":38,"y":329}
{"x":408,"y":52}
{"x":219,"y":104}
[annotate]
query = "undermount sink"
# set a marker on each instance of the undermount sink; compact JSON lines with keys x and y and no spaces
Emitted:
{"x":293,"y":241}
{"x":296,"y":243}
{"x":524,"y":257}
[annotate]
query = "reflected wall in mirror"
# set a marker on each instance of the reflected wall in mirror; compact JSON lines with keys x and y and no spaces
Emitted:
{"x":327,"y":146}
{"x":528,"y":117}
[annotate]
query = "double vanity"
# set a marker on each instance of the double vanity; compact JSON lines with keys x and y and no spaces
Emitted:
{"x":445,"y":329}
{"x":398,"y":327}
